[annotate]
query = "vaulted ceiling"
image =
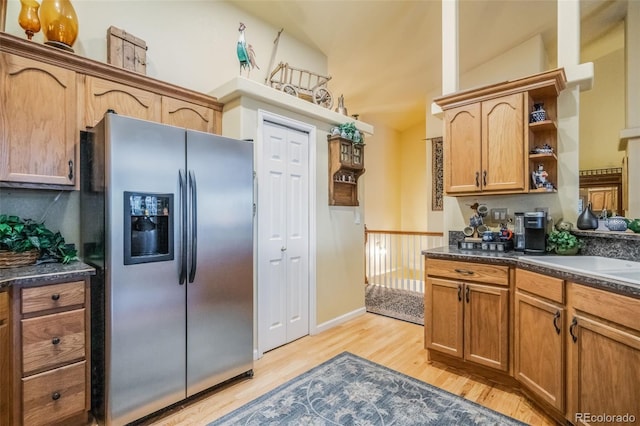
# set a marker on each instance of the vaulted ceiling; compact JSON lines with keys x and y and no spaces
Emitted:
{"x":385,"y":55}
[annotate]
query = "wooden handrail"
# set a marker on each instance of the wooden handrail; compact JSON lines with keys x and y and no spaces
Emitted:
{"x":428,"y":234}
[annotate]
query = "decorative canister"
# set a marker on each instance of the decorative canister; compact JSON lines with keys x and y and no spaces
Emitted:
{"x":616,"y":223}
{"x":538,"y":113}
{"x":587,"y":220}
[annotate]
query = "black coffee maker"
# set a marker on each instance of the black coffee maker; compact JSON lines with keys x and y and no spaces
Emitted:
{"x":535,"y":238}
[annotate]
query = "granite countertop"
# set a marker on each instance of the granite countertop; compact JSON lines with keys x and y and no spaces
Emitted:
{"x":44,"y":272}
{"x":532,"y":263}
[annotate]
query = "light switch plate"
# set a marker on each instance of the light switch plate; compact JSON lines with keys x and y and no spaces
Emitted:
{"x":499,"y":214}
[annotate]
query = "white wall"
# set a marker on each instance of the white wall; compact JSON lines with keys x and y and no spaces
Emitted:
{"x":339,"y":248}
{"x":190,"y":43}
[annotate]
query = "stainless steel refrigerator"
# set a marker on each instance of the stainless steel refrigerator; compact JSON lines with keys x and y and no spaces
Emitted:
{"x":167,"y":220}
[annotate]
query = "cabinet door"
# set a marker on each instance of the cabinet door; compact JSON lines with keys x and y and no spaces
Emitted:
{"x":605,"y":373}
{"x":5,"y":357}
{"x":462,"y":149}
{"x":443,"y":316}
{"x":486,"y":325}
{"x":38,"y":122}
{"x":539,"y":349}
{"x":188,"y":115}
{"x":103,"y":95}
{"x":503,"y":146}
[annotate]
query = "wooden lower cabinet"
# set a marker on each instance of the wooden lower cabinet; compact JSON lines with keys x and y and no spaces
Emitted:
{"x":539,"y":330}
{"x":539,"y":348}
{"x":464,"y":319}
{"x":5,"y":357}
{"x":486,"y":325}
{"x":50,"y":345}
{"x":604,"y":357}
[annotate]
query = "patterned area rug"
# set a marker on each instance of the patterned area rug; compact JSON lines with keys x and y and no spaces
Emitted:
{"x":400,"y":304}
{"x":349,"y":390}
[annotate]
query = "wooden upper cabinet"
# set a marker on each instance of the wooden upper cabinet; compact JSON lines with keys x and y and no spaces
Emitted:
{"x":188,"y":115}
{"x":484,"y":149}
{"x":503,"y":149}
{"x":102,"y":95}
{"x":49,"y":96}
{"x":490,"y":147}
{"x":462,"y":152}
{"x":38,"y":111}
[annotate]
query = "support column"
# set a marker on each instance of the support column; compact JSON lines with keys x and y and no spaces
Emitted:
{"x":631,"y":135}
{"x":569,"y":106}
{"x":450,"y":60}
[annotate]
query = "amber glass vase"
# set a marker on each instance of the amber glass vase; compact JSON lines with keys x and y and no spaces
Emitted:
{"x":59,"y":23}
{"x":28,"y":18}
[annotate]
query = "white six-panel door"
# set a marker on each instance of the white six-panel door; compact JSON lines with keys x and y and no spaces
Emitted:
{"x":283,"y":236}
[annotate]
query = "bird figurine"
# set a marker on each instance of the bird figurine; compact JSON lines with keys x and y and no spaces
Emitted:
{"x":246,"y":54}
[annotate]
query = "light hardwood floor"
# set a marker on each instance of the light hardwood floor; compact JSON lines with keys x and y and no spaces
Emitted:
{"x":396,"y":344}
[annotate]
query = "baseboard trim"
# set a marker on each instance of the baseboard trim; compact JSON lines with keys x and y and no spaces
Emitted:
{"x":339,"y":320}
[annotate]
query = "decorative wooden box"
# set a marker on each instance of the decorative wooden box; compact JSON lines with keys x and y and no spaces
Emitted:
{"x":126,"y":50}
{"x":346,"y":164}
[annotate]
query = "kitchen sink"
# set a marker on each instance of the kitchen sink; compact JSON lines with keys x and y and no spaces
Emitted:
{"x":617,"y":269}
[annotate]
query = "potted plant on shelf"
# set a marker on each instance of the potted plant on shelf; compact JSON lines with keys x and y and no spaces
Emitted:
{"x":563,"y":243}
{"x":23,"y":241}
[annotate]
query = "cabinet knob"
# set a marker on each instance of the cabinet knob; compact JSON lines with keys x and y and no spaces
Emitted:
{"x":55,"y":396}
{"x":70,"y":176}
{"x":467,"y":291}
{"x":477,"y":179}
{"x":55,"y":296}
{"x":55,"y":340}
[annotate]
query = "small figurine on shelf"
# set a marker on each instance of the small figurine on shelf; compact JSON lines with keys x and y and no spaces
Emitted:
{"x":540,"y":177}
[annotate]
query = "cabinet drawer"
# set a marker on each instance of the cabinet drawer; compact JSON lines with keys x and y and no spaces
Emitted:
{"x":51,"y":340}
{"x":36,"y":299}
{"x":55,"y":394}
{"x":604,"y":304}
{"x":541,"y":285}
{"x":490,"y":274}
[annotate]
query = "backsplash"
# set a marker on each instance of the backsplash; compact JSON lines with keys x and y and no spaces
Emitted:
{"x":617,"y":245}
{"x":60,"y":210}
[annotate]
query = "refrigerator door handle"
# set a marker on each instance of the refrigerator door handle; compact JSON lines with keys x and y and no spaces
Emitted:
{"x":194,"y":226}
{"x":183,"y":245}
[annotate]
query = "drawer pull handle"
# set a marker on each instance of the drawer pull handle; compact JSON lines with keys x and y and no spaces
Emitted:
{"x":556,"y":317}
{"x":459,"y":293}
{"x":55,"y":340}
{"x":55,"y":396}
{"x":464,"y":271}
{"x":55,"y":296}
{"x":467,"y":291}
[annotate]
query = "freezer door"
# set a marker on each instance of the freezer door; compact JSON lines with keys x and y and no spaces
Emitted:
{"x":145,"y":304}
{"x":220,"y":287}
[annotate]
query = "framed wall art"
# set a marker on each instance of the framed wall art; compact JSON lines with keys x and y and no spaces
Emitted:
{"x":437,"y":174}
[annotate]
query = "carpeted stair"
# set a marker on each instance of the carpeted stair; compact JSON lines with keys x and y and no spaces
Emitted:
{"x":401,"y":304}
